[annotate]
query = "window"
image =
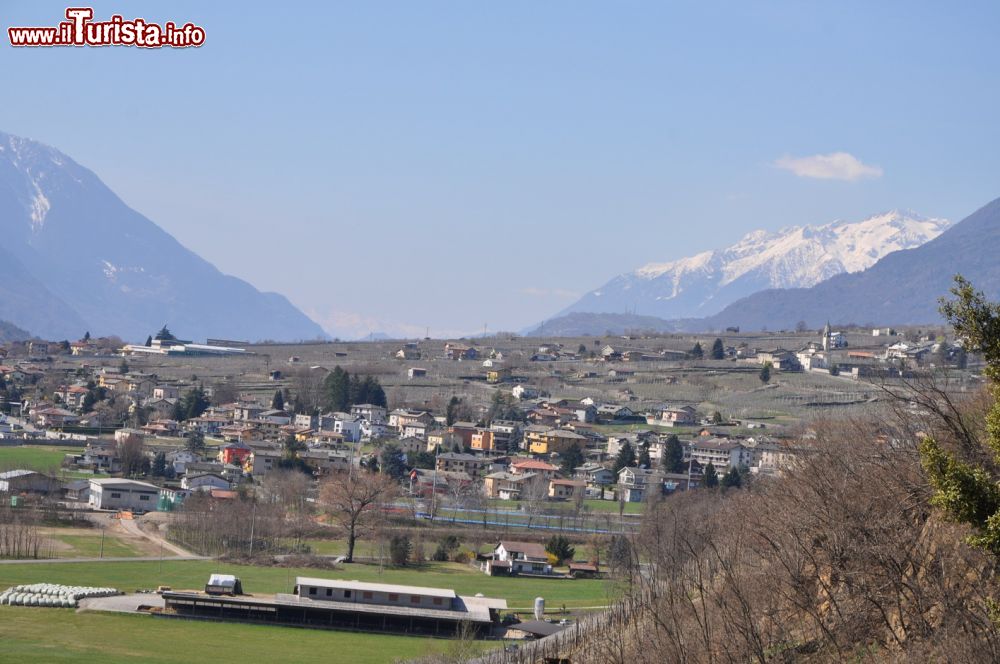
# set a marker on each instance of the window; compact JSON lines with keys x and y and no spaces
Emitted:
{"x":393,"y":597}
{"x":115,"y":494}
{"x":437,"y":601}
{"x":367,"y":595}
{"x":144,"y":497}
{"x":414,"y":599}
{"x":347,"y":594}
{"x":329,"y":592}
{"x":312,"y":590}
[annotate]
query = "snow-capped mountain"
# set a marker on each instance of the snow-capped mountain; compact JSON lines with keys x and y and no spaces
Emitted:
{"x":75,"y":258}
{"x":794,"y":257}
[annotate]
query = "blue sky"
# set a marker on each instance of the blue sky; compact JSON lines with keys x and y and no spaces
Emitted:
{"x":400,"y":166}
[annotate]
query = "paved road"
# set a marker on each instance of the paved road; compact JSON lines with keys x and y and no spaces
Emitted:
{"x":122,"y":603}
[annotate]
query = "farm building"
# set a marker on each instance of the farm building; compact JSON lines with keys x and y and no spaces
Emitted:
{"x":119,"y":494}
{"x":338,"y":604}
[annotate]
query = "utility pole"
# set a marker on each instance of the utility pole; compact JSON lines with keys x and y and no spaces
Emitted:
{"x":102,"y":541}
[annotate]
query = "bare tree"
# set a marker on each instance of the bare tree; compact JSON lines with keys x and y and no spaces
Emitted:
{"x":350,"y":499}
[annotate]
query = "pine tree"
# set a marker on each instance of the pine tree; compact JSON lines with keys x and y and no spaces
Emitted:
{"x":572,"y":458}
{"x":278,"y":401}
{"x":86,"y":336}
{"x":159,"y":468}
{"x":718,"y":350}
{"x":625,"y":458}
{"x":337,"y":389}
{"x":644,"y":461}
{"x":710,"y":478}
{"x":964,"y":487}
{"x":765,"y":373}
{"x":673,"y":455}
{"x":697,"y":352}
{"x":391,"y":461}
{"x":732,"y":479}
{"x":560,"y":548}
{"x":451,"y":410}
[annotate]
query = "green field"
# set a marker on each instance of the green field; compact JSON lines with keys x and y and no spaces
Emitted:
{"x":62,"y":635}
{"x":465,"y":580}
{"x":43,"y":458}
{"x":89,"y":546}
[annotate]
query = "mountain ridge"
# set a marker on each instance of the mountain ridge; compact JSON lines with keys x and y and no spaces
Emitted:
{"x":794,"y":256}
{"x":78,"y":258}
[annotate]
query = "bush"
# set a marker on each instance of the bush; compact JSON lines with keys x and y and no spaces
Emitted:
{"x":399,"y":550}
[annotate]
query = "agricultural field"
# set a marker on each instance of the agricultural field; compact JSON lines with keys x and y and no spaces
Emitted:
{"x":63,"y":635}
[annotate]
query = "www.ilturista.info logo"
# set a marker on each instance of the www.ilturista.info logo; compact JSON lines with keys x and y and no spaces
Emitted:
{"x":81,"y":30}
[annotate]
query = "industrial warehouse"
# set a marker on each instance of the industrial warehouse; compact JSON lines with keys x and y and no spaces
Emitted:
{"x":336,"y":604}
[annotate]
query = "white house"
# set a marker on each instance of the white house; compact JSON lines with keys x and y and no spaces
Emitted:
{"x":120,"y":494}
{"x":510,"y":557}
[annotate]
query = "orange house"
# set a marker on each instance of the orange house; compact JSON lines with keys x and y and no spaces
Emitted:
{"x":483,"y":440}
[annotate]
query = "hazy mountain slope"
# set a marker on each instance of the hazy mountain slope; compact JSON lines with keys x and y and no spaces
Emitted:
{"x":93,"y":263}
{"x":798,"y":256}
{"x":901,"y":288}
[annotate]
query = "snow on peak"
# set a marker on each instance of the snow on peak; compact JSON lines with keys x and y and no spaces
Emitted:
{"x":792,"y":257}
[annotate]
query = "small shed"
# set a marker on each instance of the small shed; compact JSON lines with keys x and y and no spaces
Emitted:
{"x":223,"y":584}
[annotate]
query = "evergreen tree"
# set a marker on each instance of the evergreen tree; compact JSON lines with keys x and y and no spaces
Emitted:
{"x":194,"y":442}
{"x":625,"y":458}
{"x":391,"y":461}
{"x":123,"y":367}
{"x":89,"y":401}
{"x":673,"y":455}
{"x":644,"y":461}
{"x":710,"y":478}
{"x":149,"y":341}
{"x":337,"y":388}
{"x":964,"y":478}
{"x":716,"y":417}
{"x":450,"y":411}
{"x":193,"y":403}
{"x":278,"y":401}
{"x":560,"y":548}
{"x":357,"y":391}
{"x":159,"y":468}
{"x":86,"y":336}
{"x":697,"y":352}
{"x":572,"y":458}
{"x":765,"y":373}
{"x":732,"y":479}
{"x":718,"y":350}
{"x":376,"y":395}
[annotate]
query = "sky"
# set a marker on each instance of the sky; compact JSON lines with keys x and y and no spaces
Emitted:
{"x":450,"y":167}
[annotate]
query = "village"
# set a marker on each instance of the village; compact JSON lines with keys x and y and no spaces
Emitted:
{"x":516,"y":459}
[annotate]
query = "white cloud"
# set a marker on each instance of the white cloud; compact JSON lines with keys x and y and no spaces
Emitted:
{"x":833,"y":166}
{"x":563,"y":293}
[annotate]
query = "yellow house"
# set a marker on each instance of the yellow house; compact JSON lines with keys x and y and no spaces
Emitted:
{"x":554,"y":441}
{"x":497,"y":374}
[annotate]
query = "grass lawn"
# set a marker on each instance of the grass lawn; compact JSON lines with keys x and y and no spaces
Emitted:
{"x":89,"y":546}
{"x":465,"y":580}
{"x":42,"y":458}
{"x":62,"y":635}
